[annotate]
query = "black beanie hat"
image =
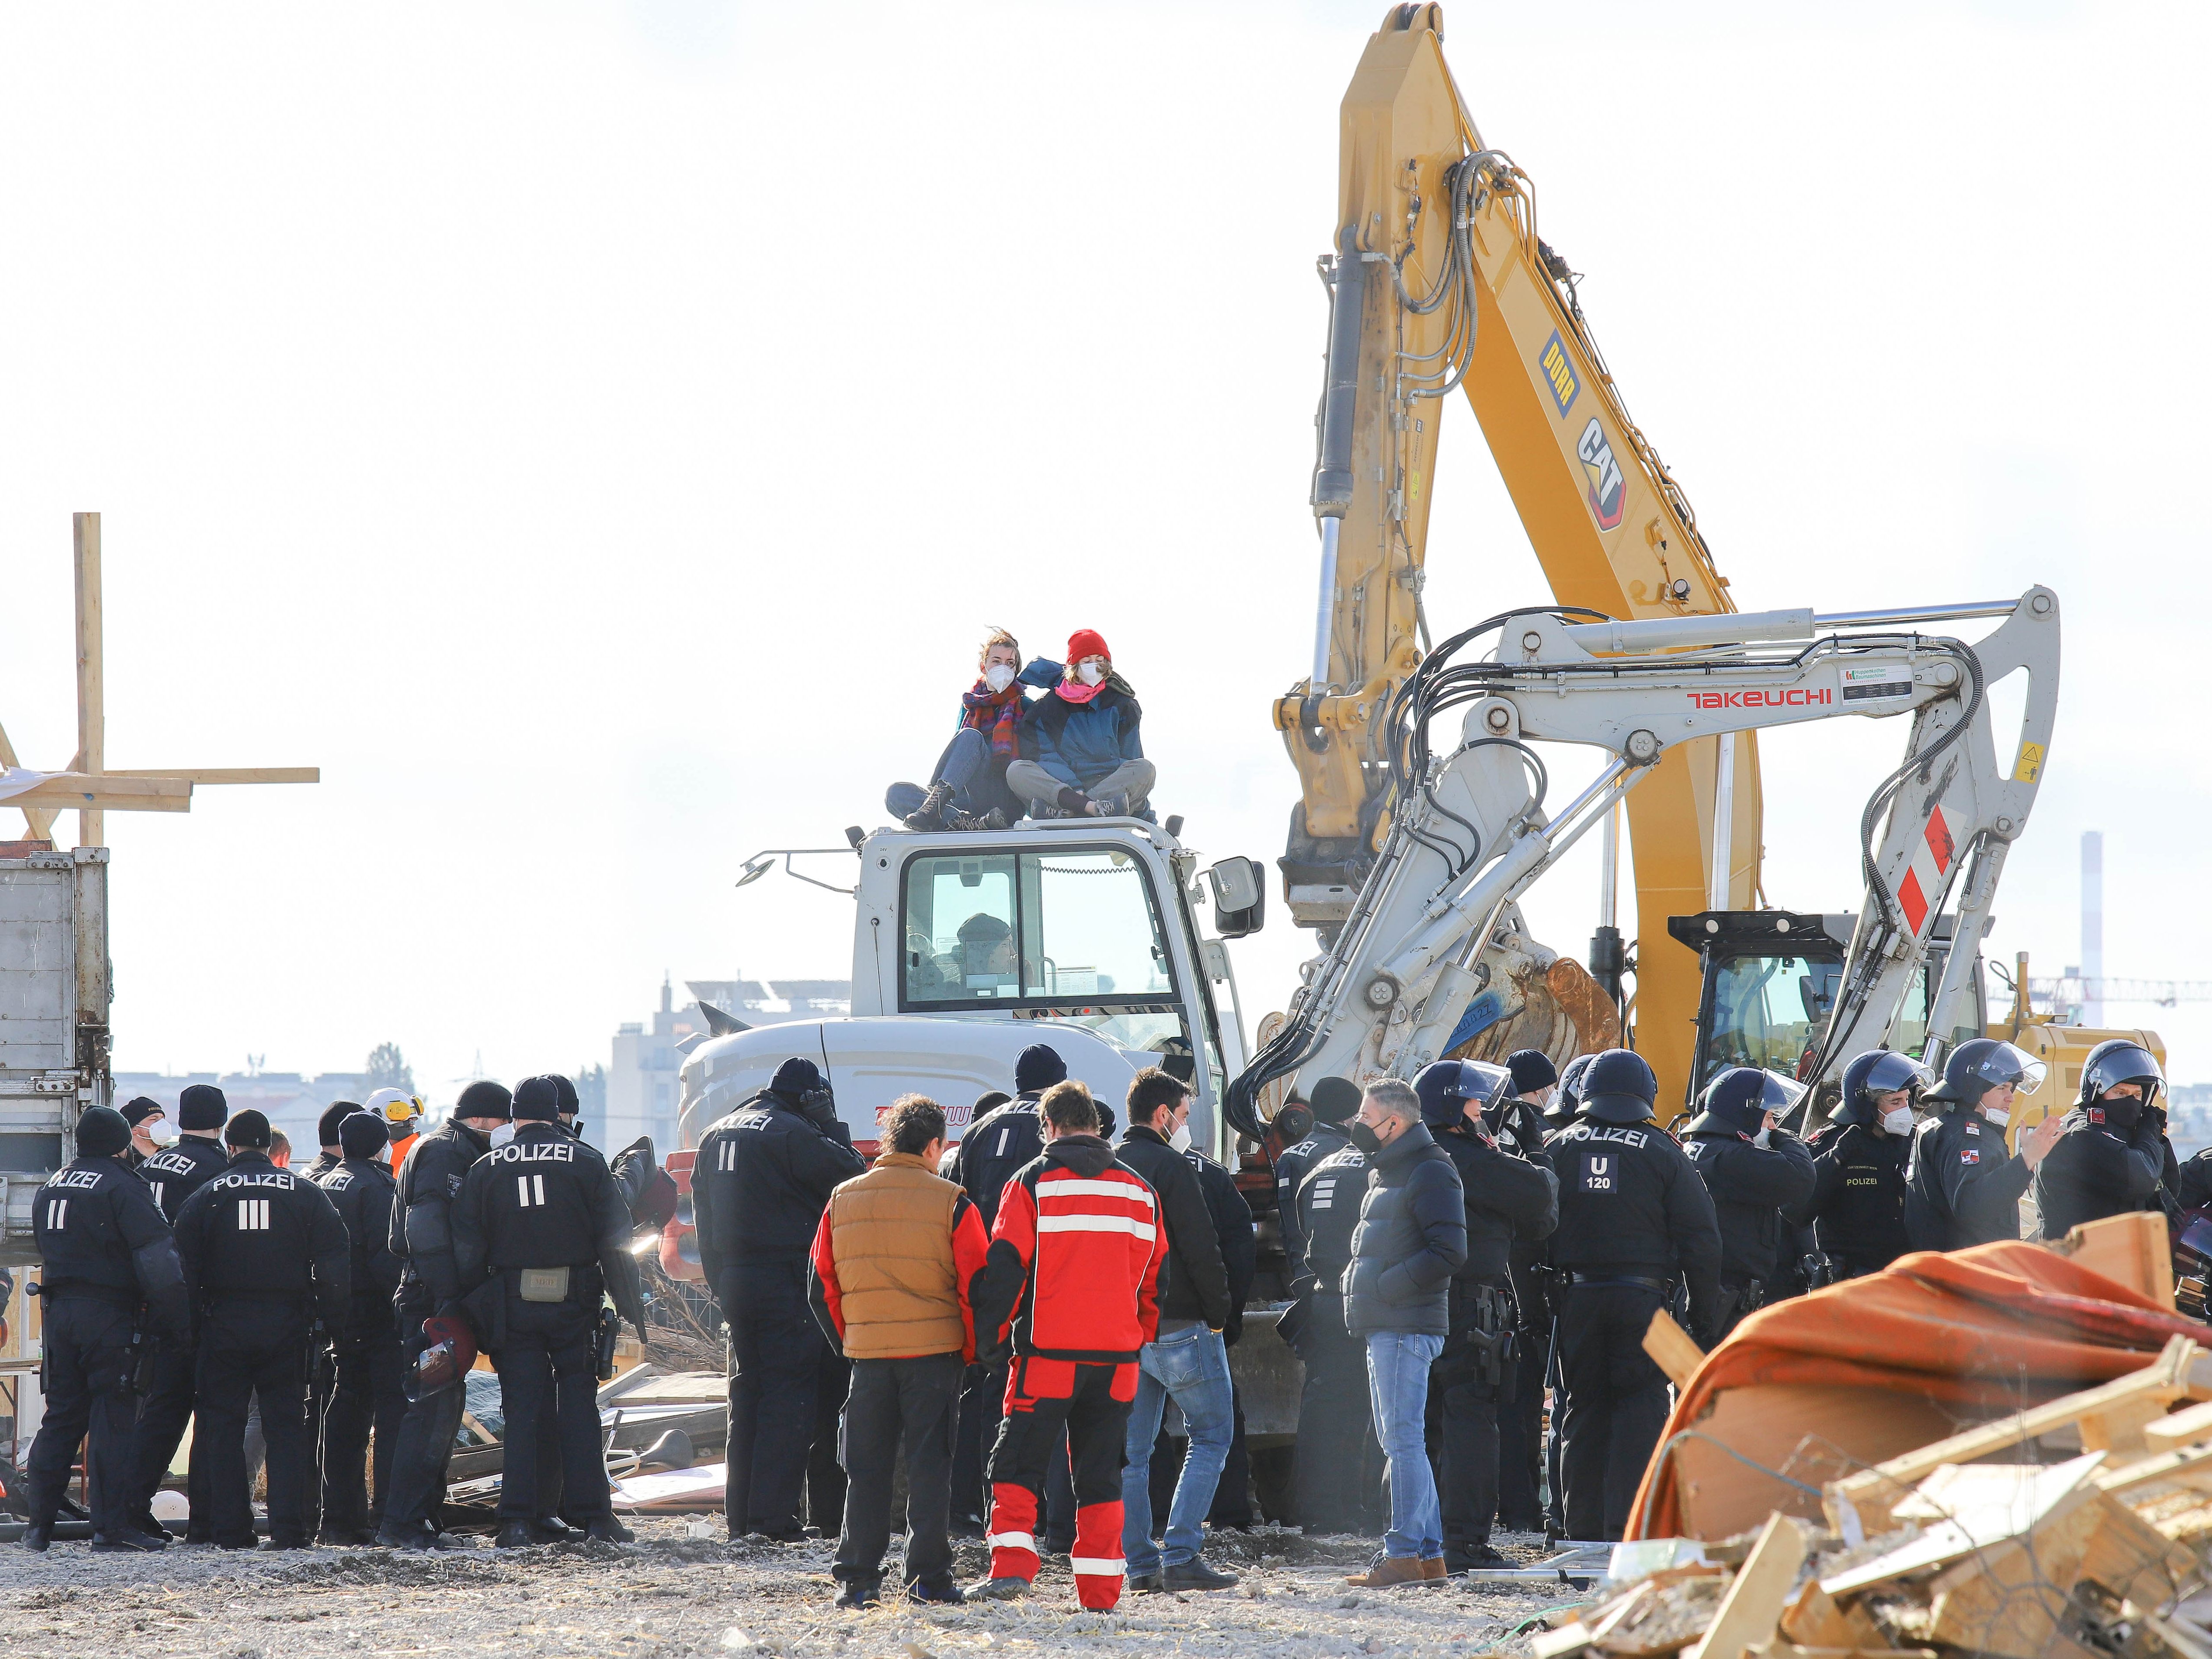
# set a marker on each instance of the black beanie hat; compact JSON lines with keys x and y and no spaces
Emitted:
{"x":202,"y":1107}
{"x":101,"y":1132}
{"x":364,"y":1135}
{"x":536,"y":1100}
{"x":137,"y":1111}
{"x":1038,"y":1067}
{"x":796,"y":1079}
{"x":248,"y":1131}
{"x":1335,"y":1100}
{"x":1532,"y":1070}
{"x":565,"y":1097}
{"x":485,"y":1099}
{"x":326,"y":1126}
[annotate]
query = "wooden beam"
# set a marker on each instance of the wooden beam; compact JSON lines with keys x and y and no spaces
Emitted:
{"x":91,"y":691}
{"x":1672,"y":1349}
{"x":88,"y":793}
{"x":221,"y":774}
{"x":1756,"y":1594}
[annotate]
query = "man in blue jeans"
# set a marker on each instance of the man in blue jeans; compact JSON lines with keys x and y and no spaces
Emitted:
{"x":1187,"y":1362}
{"x":1411,"y":1239}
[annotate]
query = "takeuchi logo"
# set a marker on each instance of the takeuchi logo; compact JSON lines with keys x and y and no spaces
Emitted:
{"x":1800,"y":696}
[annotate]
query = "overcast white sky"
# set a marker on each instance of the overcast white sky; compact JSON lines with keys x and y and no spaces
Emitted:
{"x":597,"y":435}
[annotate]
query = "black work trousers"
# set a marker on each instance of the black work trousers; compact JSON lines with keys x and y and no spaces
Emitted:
{"x":1521,"y":1437}
{"x":1616,"y":1404}
{"x":424,"y":1444}
{"x":825,"y":1468}
{"x":776,"y":1370}
{"x":1463,"y":1442}
{"x":982,"y":1398}
{"x":913,"y":1402}
{"x":162,"y":1415}
{"x":370,"y":1395}
{"x":253,"y":1345}
{"x":549,"y":1389}
{"x":87,"y":1389}
{"x":1338,"y":1478}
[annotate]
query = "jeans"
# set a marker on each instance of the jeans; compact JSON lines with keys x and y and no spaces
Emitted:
{"x":1193,"y":1366}
{"x":1398,"y":1383}
{"x":964,"y":765}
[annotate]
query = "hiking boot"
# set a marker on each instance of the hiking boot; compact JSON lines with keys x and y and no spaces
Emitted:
{"x":998,"y":1589}
{"x":605,"y":1529}
{"x":514,"y":1535}
{"x":1387,"y":1570}
{"x":866,"y":1593}
{"x":1195,"y":1575}
{"x":290,"y":1541}
{"x":1432,"y":1569}
{"x":930,"y":815}
{"x":947,"y":1594}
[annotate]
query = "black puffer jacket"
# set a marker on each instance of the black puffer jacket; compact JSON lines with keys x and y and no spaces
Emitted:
{"x":1197,"y":1281}
{"x":1410,"y":1239}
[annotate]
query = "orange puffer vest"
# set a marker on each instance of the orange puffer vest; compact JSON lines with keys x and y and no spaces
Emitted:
{"x":891,"y":1234}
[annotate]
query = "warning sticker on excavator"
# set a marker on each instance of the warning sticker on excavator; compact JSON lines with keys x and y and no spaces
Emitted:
{"x":2029,"y":766}
{"x":1608,"y":490}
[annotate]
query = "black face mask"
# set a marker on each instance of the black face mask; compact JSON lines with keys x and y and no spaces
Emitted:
{"x":1366,"y":1140}
{"x":2122,"y":1113}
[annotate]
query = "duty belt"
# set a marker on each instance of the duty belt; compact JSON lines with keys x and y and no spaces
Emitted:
{"x":1661,"y":1285}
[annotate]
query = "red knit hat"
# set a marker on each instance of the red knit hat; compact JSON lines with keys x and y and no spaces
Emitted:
{"x":1087,"y":642}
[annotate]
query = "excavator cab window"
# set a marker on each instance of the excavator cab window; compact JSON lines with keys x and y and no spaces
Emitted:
{"x":1765,"y":1010}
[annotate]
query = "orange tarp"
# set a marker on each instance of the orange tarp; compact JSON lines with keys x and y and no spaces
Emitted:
{"x":1980,"y":1330}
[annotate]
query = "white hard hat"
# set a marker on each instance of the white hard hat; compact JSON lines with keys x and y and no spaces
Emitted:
{"x":396,"y":1104}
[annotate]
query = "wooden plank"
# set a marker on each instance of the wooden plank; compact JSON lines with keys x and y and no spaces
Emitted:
{"x":2131,"y":1249}
{"x":2189,"y":1466}
{"x":1758,"y":1594}
{"x":83,"y":792}
{"x":1671,"y":1350}
{"x":2183,"y":1428}
{"x":1815,"y":1619}
{"x":91,"y":688}
{"x":221,"y":774}
{"x":1872,"y":1492}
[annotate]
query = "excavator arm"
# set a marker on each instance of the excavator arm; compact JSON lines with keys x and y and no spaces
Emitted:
{"x":1439,"y":283}
{"x":1420,"y":948}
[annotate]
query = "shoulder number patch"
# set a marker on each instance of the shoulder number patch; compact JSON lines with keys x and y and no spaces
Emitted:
{"x":1599,"y":1171}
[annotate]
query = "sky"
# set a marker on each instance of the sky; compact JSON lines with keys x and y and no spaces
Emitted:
{"x":598,"y":437}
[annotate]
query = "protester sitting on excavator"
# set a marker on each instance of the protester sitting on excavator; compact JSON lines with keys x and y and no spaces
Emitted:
{"x":1081,"y":753}
{"x":967,"y":789}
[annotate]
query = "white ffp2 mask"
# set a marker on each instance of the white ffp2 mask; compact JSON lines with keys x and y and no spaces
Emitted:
{"x":1090,"y":673}
{"x":998,"y":676}
{"x":1180,"y":1139}
{"x":1900,"y":1121}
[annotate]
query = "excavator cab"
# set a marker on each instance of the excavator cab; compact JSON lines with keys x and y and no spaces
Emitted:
{"x":1770,"y":979}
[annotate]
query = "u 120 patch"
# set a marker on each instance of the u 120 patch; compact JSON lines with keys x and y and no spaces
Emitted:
{"x":1598,"y":1172}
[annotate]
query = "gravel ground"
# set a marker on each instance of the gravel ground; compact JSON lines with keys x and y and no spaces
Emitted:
{"x":669,"y":1595}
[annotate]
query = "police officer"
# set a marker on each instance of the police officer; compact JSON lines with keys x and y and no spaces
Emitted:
{"x":761,"y":1178}
{"x":1565,"y":1104}
{"x":370,"y":1390}
{"x":2113,"y":1156}
{"x":1754,"y":1170}
{"x":1857,"y":1210}
{"x":1962,"y":1184}
{"x":1337,"y":1478}
{"x":1516,"y":1116}
{"x":1335,"y":1103}
{"x":1516,"y":1120}
{"x":328,"y":1153}
{"x":540,"y":1235}
{"x":1634,"y":1219}
{"x":110,"y":1280}
{"x":428,"y":1183}
{"x":1005,"y":1139}
{"x":1506,"y":1199}
{"x":265,"y":1257}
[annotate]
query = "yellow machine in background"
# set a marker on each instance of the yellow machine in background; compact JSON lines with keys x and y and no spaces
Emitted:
{"x":1441,"y":283}
{"x":2061,"y":1047}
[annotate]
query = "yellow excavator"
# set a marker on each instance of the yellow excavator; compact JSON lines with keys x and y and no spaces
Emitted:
{"x":1440,"y":284}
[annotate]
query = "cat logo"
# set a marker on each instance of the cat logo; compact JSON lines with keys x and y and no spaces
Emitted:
{"x":1608,"y":490}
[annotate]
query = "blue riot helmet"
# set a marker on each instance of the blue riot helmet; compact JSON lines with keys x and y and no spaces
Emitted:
{"x":1877,"y":1073}
{"x":1981,"y":1064}
{"x":1738,"y":1099}
{"x":1619,"y":1088}
{"x":2110,"y":1064}
{"x":1448,"y":1087}
{"x":1566,"y":1103}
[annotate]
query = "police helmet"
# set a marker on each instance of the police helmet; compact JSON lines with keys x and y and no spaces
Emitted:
{"x":1982,"y":1064}
{"x":1447,"y":1087}
{"x":1566,"y":1103}
{"x":1619,"y":1088}
{"x":2118,"y":1060}
{"x":1738,"y":1099}
{"x":1875,"y":1074}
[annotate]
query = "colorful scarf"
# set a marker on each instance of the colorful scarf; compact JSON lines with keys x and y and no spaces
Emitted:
{"x":995,"y":713}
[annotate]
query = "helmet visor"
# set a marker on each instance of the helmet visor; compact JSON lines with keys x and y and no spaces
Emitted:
{"x":2005,"y":1064}
{"x":1480,"y":1081}
{"x":1892,"y":1071}
{"x":1782,"y":1094}
{"x":2128,"y":1063}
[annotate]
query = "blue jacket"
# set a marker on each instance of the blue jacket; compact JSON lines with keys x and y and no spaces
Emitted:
{"x":1079,"y":743}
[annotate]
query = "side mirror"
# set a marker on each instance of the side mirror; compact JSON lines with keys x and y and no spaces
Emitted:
{"x":1240,"y":896}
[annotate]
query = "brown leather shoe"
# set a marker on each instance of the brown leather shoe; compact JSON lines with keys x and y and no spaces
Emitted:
{"x":1433,"y":1569}
{"x":1389,"y":1570}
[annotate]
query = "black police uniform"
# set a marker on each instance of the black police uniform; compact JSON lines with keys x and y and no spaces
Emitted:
{"x":1634,"y":1219}
{"x":2192,"y":1184}
{"x":107,"y":1252}
{"x":2105,"y":1164}
{"x":1519,"y":1127}
{"x":371,"y":1391}
{"x":540,"y":1232}
{"x":428,"y":1181}
{"x":1325,"y":1141}
{"x":1337,"y":1474}
{"x":1857,"y":1210}
{"x":1962,"y":1185}
{"x":1508,"y":1200}
{"x":759,"y":1183}
{"x":173,"y":1175}
{"x":1751,"y":1187}
{"x":265,"y":1257}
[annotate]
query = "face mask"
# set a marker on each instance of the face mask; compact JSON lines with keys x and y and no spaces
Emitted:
{"x":1366,"y":1140}
{"x":1763,"y":1139}
{"x":2121,"y":1113}
{"x":1180,"y":1139}
{"x":1999,"y":1115}
{"x":1091,"y":673}
{"x":1898,"y":1123}
{"x":998,"y":676}
{"x":502,"y":1134}
{"x":164,"y":1135}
